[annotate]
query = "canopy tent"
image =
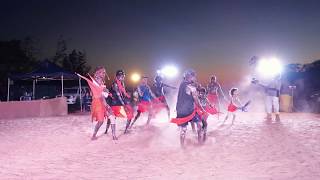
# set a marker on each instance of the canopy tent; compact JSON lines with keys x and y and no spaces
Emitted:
{"x":46,"y":70}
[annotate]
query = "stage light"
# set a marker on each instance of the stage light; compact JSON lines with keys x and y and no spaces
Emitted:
{"x":169,"y":71}
{"x":269,"y":68}
{"x":135,"y":77}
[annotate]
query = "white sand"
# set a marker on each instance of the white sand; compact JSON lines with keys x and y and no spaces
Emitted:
{"x":60,"y":148}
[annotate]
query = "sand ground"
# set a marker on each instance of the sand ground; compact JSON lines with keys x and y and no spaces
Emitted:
{"x":60,"y":148}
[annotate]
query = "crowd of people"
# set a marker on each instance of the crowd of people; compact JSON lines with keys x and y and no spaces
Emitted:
{"x":195,"y":103}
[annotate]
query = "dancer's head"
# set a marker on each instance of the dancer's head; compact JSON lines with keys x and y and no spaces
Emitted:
{"x":100,"y":74}
{"x":202,"y":91}
{"x":120,"y":75}
{"x":158,"y":79}
{"x":190,"y":76}
{"x":213,"y":78}
{"x":233,"y":92}
{"x":144,"y":80}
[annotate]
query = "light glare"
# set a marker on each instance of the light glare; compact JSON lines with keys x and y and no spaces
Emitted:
{"x":135,"y":77}
{"x":169,"y":71}
{"x":269,"y":68}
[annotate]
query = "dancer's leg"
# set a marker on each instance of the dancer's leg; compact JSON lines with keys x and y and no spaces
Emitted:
{"x":108,"y":125}
{"x":96,"y":129}
{"x":135,"y":118}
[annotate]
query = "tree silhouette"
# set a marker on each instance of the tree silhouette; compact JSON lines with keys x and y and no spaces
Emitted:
{"x":14,"y":58}
{"x":61,"y":52}
{"x":76,"y":62}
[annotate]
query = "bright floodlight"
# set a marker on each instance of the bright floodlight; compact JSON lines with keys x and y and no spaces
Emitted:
{"x":169,"y":71}
{"x":135,"y":77}
{"x":269,"y":68}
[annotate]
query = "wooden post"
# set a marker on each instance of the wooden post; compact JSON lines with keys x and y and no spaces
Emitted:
{"x":8,"y":94}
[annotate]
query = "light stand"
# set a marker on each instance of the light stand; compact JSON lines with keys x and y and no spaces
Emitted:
{"x":292,"y":88}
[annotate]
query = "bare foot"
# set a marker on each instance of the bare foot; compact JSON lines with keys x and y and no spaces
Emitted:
{"x":94,"y":138}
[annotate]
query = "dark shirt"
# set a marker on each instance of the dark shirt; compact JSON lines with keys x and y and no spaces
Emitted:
{"x":185,"y":102}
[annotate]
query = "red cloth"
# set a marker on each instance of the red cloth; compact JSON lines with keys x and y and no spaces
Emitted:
{"x":179,"y":121}
{"x":232,"y":107}
{"x":129,"y":111}
{"x":98,"y":109}
{"x":213,"y":98}
{"x":123,"y":111}
{"x":144,"y":106}
{"x":200,"y":112}
{"x":96,"y":89}
{"x":119,"y":111}
{"x":211,"y":110}
{"x":158,"y":104}
{"x":207,"y":112}
{"x":122,"y":89}
{"x":161,"y":99}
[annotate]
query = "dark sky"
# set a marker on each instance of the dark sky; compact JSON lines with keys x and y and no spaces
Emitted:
{"x":213,"y":37}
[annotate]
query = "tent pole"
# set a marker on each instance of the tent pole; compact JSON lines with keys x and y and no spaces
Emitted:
{"x":8,"y":95}
{"x":61,"y":85}
{"x":33,"y":89}
{"x":80,"y":95}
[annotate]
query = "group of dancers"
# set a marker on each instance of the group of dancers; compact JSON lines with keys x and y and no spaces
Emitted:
{"x":194,"y":102}
{"x":116,"y":102}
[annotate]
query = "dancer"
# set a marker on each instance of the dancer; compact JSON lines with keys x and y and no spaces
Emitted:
{"x":210,"y":109}
{"x":234,"y":105}
{"x":99,"y":108}
{"x":159,"y":92}
{"x":145,"y":100}
{"x":186,"y":106}
{"x":214,"y":89}
{"x":119,"y":101}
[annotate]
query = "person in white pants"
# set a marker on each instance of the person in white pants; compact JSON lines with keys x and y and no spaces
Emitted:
{"x":272,"y":91}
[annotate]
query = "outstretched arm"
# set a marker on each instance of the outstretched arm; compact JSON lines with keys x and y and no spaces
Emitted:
{"x":166,"y":85}
{"x":90,"y":82}
{"x":222,"y":93}
{"x":238,"y":102}
{"x":82,"y":77}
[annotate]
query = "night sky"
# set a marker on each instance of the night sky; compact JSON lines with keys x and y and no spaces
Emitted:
{"x":213,"y":37}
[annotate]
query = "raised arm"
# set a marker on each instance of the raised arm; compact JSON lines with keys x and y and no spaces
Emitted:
{"x":83,"y":77}
{"x":221,"y":91}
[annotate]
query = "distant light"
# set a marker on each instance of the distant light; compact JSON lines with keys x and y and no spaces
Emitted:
{"x":169,"y":71}
{"x":135,"y":77}
{"x":269,"y":68}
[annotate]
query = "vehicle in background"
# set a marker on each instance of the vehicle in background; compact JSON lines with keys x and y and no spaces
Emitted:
{"x":73,"y":94}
